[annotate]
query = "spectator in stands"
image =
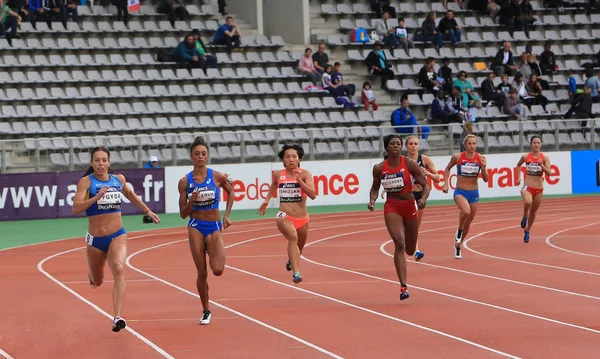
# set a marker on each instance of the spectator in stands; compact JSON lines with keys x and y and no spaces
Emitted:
{"x":449,"y":28}
{"x":387,"y":34}
{"x":59,"y":9}
{"x":402,"y":36}
{"x":524,"y":67}
{"x":467,"y":90}
{"x":459,"y":2}
{"x":572,"y":86}
{"x":510,"y":15}
{"x":456,"y":104}
{"x":534,"y":89}
{"x":512,"y":105}
{"x":591,"y":82}
{"x":36,"y":11}
{"x":427,"y":77}
{"x":404,"y":117}
{"x":320,"y":58}
{"x":445,"y":73}
{"x":490,"y":93}
{"x":349,"y":89}
{"x":175,"y":9}
{"x":503,"y":62}
{"x":548,"y":60}
{"x":307,"y":68}
{"x":222,"y":5}
{"x":441,"y":112}
{"x":535,"y":69}
{"x":152,"y":163}
{"x":381,"y":6}
{"x":123,"y":11}
{"x":504,"y":86}
{"x":377,"y":63}
{"x":228,"y":34}
{"x":209,"y":60}
{"x":582,"y":107}
{"x":527,"y":19}
{"x":186,"y":54}
{"x":467,"y":130}
{"x":8,"y":20}
{"x":368,"y":97}
{"x":21,"y":7}
{"x":430,"y":31}
{"x":333,"y":87}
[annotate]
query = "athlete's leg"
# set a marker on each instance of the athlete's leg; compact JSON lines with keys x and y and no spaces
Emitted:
{"x":302,"y":236}
{"x":117,"y":253}
{"x":465,"y":212}
{"x":469,"y":219}
{"x":198,"y":250}
{"x":286,"y":228}
{"x":96,"y":260}
{"x":411,"y":235}
{"x":395,"y":227}
{"x":419,"y":220}
{"x":535,"y":205}
{"x":527,"y":200}
{"x":216,"y":252}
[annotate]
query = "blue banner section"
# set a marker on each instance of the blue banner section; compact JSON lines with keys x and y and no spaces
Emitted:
{"x":585,"y":170}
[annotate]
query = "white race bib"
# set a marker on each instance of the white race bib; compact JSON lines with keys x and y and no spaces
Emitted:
{"x":394,"y":184}
{"x":469,"y":170}
{"x":110,"y":198}
{"x":89,"y":239}
{"x":281,"y":214}
{"x":534,"y":168}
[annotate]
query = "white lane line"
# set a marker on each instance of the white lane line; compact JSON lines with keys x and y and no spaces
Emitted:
{"x":5,"y":354}
{"x":549,"y":238}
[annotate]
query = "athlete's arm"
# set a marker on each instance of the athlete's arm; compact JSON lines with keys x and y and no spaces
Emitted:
{"x":484,"y":172}
{"x":375,"y":186}
{"x":452,"y":163}
{"x":228,"y":188}
{"x":80,"y":204}
{"x":415,"y":171}
{"x":431,"y":170}
{"x":546,"y":166}
{"x":274,"y":183}
{"x":185,"y":206}
{"x":307,"y":183}
{"x":520,"y":173}
{"x":137,"y":201}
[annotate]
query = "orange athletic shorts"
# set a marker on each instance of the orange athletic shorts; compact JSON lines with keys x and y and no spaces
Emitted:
{"x":534,"y":191}
{"x":296,"y":222}
{"x":407,"y":208}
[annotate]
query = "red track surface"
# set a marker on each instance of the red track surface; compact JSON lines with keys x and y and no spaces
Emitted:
{"x":503,"y":299}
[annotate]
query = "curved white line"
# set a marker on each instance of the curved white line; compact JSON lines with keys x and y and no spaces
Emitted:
{"x":568,"y":250}
{"x":5,"y":354}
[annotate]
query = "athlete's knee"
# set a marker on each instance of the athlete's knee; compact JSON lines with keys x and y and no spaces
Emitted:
{"x":399,"y":245}
{"x":218,"y":271}
{"x":466,"y":212}
{"x":528,"y":202}
{"x":118,"y":269}
{"x":202,"y":275}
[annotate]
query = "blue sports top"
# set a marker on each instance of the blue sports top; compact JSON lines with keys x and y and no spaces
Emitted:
{"x":209,"y":192}
{"x":468,"y":167}
{"x":111,"y":201}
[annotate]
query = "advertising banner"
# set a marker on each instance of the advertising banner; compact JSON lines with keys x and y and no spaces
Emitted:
{"x":50,"y":194}
{"x":585,"y":166}
{"x":349,"y":181}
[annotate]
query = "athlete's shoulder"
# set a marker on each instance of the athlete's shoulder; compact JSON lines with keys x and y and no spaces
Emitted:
{"x":85,"y":181}
{"x":119,"y":177}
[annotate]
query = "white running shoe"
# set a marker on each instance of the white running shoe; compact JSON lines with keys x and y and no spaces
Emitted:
{"x":118,"y":324}
{"x":457,"y":252}
{"x":457,"y":239}
{"x":206,"y":315}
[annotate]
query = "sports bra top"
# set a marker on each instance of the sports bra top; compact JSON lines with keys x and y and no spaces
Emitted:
{"x":398,"y":179}
{"x":208,"y":197}
{"x":533,"y":165}
{"x":290,"y":190}
{"x":468,"y":167}
{"x":111,"y":201}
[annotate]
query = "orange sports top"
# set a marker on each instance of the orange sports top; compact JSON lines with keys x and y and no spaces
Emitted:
{"x":533,"y":165}
{"x":290,"y":190}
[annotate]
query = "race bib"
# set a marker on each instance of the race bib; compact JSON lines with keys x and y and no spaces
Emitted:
{"x":206,"y":197}
{"x":393,"y":184}
{"x":290,"y":192}
{"x":89,"y":239}
{"x":281,"y":214}
{"x":111,"y":200}
{"x":469,"y":170}
{"x":534,"y":168}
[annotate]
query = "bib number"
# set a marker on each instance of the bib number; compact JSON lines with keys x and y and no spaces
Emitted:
{"x":89,"y":239}
{"x":281,"y":214}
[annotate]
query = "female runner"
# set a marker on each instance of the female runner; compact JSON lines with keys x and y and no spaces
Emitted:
{"x":466,"y":195}
{"x":536,"y":165}
{"x":428,"y":169}
{"x":199,"y":196}
{"x":400,"y":209}
{"x":294,"y":184}
{"x":99,"y":196}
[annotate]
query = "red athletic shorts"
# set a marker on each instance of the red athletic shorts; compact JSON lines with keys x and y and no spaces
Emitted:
{"x":534,"y":191}
{"x":407,"y":208}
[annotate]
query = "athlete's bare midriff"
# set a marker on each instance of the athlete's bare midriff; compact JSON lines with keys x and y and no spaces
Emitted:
{"x":102,"y":225}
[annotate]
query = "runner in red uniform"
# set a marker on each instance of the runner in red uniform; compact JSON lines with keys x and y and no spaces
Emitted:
{"x":536,"y":165}
{"x":400,"y":209}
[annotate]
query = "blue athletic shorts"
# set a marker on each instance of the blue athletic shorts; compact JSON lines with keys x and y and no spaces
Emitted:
{"x":205,"y":227}
{"x":102,"y":243}
{"x":471,"y":196}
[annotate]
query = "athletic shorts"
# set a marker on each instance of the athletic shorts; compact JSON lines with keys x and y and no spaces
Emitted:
{"x":471,"y":196}
{"x":407,"y":208}
{"x":206,"y":228}
{"x":102,"y":243}
{"x":534,"y":191}
{"x":296,"y":222}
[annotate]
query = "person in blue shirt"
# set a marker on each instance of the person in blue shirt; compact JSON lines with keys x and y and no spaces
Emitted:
{"x":152,"y":163}
{"x":99,"y":195}
{"x":404,"y":117}
{"x":228,"y":34}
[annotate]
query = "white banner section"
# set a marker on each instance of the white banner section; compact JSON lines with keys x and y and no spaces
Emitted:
{"x":349,"y":181}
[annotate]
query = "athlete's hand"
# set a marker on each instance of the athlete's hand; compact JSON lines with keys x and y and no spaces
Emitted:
{"x":102,"y":192}
{"x":228,"y":178}
{"x":483,"y":162}
{"x":371,"y":205}
{"x":194,"y":196}
{"x":382,"y":194}
{"x":445,"y":188}
{"x":226,"y":222}
{"x":263,"y":208}
{"x":153,"y":216}
{"x":424,"y":171}
{"x":298,"y":176}
{"x":421,"y":204}
{"x":518,"y":183}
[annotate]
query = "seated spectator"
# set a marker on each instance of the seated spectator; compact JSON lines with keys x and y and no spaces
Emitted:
{"x":228,"y":34}
{"x":534,"y":92}
{"x":36,"y":12}
{"x":535,"y":69}
{"x":381,"y":6}
{"x":441,"y":112}
{"x":467,"y":130}
{"x":320,"y":58}
{"x":527,"y":19}
{"x":430,"y":31}
{"x":582,"y":107}
{"x":174,"y":8}
{"x":449,"y":28}
{"x":21,"y":7}
{"x":512,"y":105}
{"x":8,"y":20}
{"x":504,"y":86}
{"x":209,"y":60}
{"x":445,"y":73}
{"x":307,"y":68}
{"x":503,"y":62}
{"x":524,"y":67}
{"x":186,"y":54}
{"x":427,"y":77}
{"x":548,"y":60}
{"x":510,"y":15}
{"x":592,"y":83}
{"x":58,"y":9}
{"x":402,"y":36}
{"x":467,"y":90}
{"x":455,"y":103}
{"x":349,"y":89}
{"x":489,"y":93}
{"x":123,"y":11}
{"x":368,"y":97}
{"x":152,"y":163}
{"x":519,"y":85}
{"x":222,"y":5}
{"x":404,"y":117}
{"x":377,"y":64}
{"x":333,"y":87}
{"x":387,"y":34}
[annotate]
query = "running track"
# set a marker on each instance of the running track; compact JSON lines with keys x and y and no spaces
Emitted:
{"x":504,"y":299}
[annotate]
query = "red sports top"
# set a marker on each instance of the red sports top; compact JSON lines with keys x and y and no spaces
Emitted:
{"x":468,"y":167}
{"x":396,"y":180}
{"x":290,"y":190}
{"x":533,"y":165}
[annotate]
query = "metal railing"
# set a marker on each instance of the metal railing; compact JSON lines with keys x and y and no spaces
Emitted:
{"x":320,"y":143}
